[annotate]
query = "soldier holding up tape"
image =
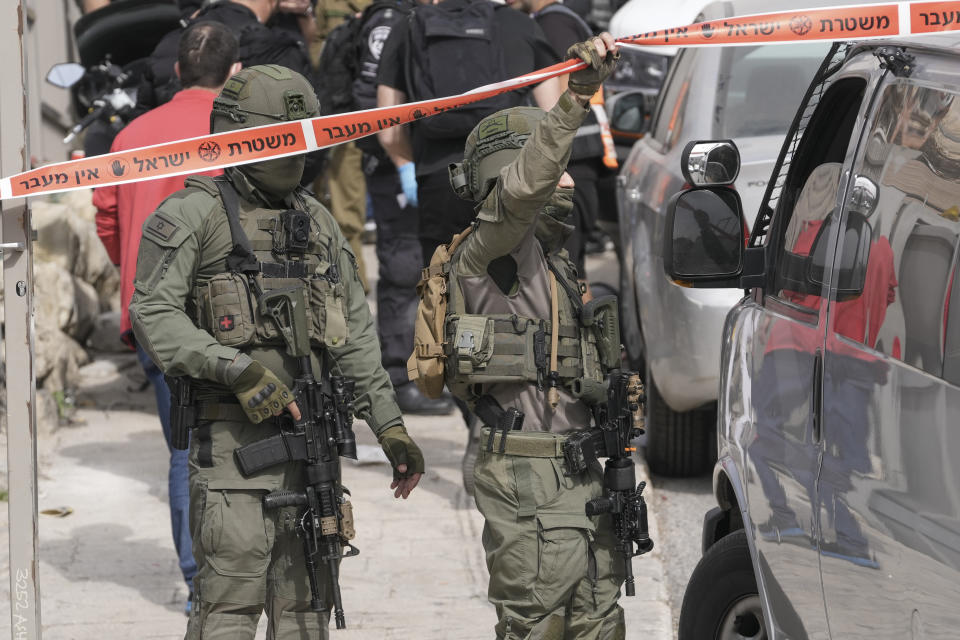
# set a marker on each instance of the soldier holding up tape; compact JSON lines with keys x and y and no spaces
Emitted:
{"x":516,"y":347}
{"x":209,"y":257}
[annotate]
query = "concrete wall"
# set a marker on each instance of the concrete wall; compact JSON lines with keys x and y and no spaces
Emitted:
{"x":49,"y":40}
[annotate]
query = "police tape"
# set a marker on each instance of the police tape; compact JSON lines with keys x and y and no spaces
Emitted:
{"x":218,"y":151}
{"x":860,"y":22}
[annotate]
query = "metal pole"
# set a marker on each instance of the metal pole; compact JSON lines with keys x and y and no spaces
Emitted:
{"x":18,"y":332}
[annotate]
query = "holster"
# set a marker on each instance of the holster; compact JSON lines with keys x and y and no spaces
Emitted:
{"x":183,"y":411}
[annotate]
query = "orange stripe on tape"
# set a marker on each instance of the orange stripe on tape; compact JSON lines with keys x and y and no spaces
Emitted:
{"x":843,"y":23}
{"x":271,"y":141}
{"x":247,"y":145}
{"x":933,"y":17}
{"x":183,"y":156}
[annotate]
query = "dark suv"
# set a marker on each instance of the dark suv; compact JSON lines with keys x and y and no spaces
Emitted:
{"x":838,"y":479}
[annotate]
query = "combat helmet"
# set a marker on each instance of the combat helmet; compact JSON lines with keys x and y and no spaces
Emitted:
{"x":259,"y":95}
{"x":492,"y":145}
{"x":262,"y":94}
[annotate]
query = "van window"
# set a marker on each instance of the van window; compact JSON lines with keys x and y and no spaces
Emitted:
{"x":759,"y":88}
{"x":907,"y":184}
{"x":809,"y":196}
{"x":673,"y":99}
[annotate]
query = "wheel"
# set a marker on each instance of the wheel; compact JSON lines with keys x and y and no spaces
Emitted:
{"x":678,"y":444}
{"x":721,"y":601}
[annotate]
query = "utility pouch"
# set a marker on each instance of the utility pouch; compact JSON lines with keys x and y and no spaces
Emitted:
{"x":328,"y":300}
{"x":472,"y":341}
{"x":487,"y":349}
{"x":228,"y":309}
{"x":183,"y":411}
{"x":601,"y":316}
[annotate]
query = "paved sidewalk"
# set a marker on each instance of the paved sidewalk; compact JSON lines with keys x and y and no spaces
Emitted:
{"x":108,"y":570}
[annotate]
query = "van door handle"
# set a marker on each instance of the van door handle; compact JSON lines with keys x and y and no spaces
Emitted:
{"x":817,"y":400}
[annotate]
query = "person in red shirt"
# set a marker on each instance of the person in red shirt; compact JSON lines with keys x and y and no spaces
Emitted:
{"x":207,"y":57}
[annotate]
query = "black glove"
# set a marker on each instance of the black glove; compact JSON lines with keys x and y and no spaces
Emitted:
{"x":401,"y":449}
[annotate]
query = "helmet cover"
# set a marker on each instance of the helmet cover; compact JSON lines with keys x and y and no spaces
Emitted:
{"x":260,"y":95}
{"x":492,"y":145}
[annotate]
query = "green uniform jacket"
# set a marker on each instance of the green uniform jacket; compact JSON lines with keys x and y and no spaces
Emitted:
{"x":185,"y":243}
{"x":507,"y":224}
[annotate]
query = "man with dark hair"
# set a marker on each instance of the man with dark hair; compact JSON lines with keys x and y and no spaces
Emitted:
{"x":207,"y":56}
{"x":260,"y":39}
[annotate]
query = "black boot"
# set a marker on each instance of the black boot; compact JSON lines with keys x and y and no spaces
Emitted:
{"x":412,"y":401}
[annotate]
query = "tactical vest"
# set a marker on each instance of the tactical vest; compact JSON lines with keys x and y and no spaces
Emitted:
{"x":272,"y":249}
{"x":474,"y":350}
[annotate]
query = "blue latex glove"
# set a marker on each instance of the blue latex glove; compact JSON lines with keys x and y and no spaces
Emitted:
{"x":408,"y":182}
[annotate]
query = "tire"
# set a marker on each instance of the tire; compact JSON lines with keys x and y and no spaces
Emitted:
{"x":721,"y":601}
{"x":678,"y":444}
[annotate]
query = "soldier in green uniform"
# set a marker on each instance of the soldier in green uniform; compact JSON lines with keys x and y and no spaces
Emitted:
{"x":197,"y":317}
{"x":554,"y":573}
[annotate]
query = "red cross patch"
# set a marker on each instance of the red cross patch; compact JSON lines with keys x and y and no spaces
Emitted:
{"x":226,"y":323}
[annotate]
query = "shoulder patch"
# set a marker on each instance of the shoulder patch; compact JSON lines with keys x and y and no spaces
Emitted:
{"x":161,"y":226}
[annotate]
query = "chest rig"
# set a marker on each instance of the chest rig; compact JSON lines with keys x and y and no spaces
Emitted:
{"x":572,"y":349}
{"x":272,"y":250}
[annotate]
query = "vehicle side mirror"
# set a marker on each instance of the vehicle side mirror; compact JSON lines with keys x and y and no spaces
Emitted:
{"x":703,"y":240}
{"x":627,"y":112}
{"x":65,"y":74}
{"x":710,"y":163}
{"x":851,"y":273}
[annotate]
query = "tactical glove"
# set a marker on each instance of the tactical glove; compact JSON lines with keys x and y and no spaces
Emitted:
{"x":401,"y":449}
{"x":260,"y":392}
{"x":587,"y":82}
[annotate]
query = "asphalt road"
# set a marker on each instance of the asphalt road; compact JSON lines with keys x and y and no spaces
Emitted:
{"x":680,"y":505}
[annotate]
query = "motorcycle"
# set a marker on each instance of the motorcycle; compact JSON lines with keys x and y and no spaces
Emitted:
{"x":104,"y":95}
{"x":114,"y":43}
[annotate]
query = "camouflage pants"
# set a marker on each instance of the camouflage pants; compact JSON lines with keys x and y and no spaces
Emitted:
{"x":554,"y":574}
{"x":249,"y":560}
{"x":343,"y":180}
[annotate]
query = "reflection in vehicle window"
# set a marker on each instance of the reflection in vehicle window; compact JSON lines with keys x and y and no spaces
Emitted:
{"x":760,"y":87}
{"x":909,"y":309}
{"x":806,"y":207}
{"x":816,"y":202}
{"x":673,"y":98}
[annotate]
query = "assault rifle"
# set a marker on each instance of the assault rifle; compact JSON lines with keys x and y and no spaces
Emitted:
{"x":323,"y":434}
{"x":617,"y":422}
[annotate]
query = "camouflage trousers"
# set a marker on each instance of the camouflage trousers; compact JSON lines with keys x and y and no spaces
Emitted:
{"x":249,"y":560}
{"x":554,"y":574}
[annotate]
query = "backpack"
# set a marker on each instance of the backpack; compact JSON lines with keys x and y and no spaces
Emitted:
{"x":426,"y":364}
{"x":338,"y":67}
{"x":376,"y":23}
{"x":454,"y":46}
